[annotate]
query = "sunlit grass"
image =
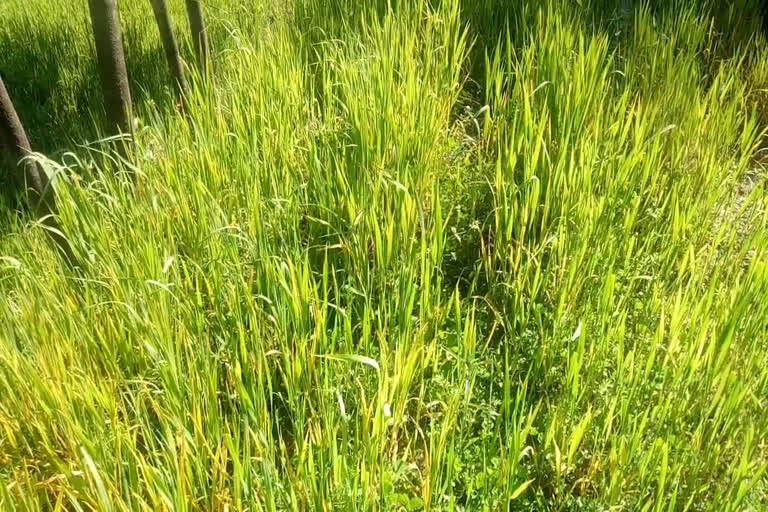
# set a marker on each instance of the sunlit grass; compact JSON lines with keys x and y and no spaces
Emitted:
{"x":441,"y":257}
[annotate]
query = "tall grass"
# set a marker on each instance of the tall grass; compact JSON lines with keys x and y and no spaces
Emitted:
{"x":414,"y":258}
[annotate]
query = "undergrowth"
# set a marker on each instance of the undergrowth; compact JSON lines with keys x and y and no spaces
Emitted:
{"x":403,"y":255}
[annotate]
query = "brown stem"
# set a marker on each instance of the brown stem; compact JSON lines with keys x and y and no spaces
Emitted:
{"x":163,"y":18}
{"x":33,"y":180}
{"x":199,"y":34}
{"x":111,"y":59}
{"x":16,"y":144}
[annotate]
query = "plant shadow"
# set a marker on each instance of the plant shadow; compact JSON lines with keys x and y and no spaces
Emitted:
{"x":52,"y":77}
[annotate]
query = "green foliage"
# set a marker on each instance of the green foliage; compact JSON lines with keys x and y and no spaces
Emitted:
{"x":428,"y":256}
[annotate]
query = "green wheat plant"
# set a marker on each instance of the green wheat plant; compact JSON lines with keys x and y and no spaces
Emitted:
{"x":404,"y":255}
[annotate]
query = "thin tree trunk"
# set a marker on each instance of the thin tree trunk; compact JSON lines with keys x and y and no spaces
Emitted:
{"x":163,"y":18}
{"x":32,"y":178}
{"x":199,"y":34}
{"x":16,"y":144}
{"x":111,"y":61}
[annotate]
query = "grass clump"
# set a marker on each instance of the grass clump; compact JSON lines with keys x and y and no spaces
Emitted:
{"x":416,"y":259}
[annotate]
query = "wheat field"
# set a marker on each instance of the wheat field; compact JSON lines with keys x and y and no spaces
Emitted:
{"x":446,"y":255}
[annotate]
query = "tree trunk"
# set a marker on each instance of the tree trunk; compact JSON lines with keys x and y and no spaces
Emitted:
{"x":199,"y":34}
{"x":33,"y":180}
{"x":16,"y":144}
{"x":111,"y":63}
{"x":163,"y":17}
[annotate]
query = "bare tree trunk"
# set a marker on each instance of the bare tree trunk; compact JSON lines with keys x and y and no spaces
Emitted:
{"x":199,"y":34}
{"x":163,"y":18}
{"x":16,"y":144}
{"x":111,"y":59}
{"x":32,"y":179}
